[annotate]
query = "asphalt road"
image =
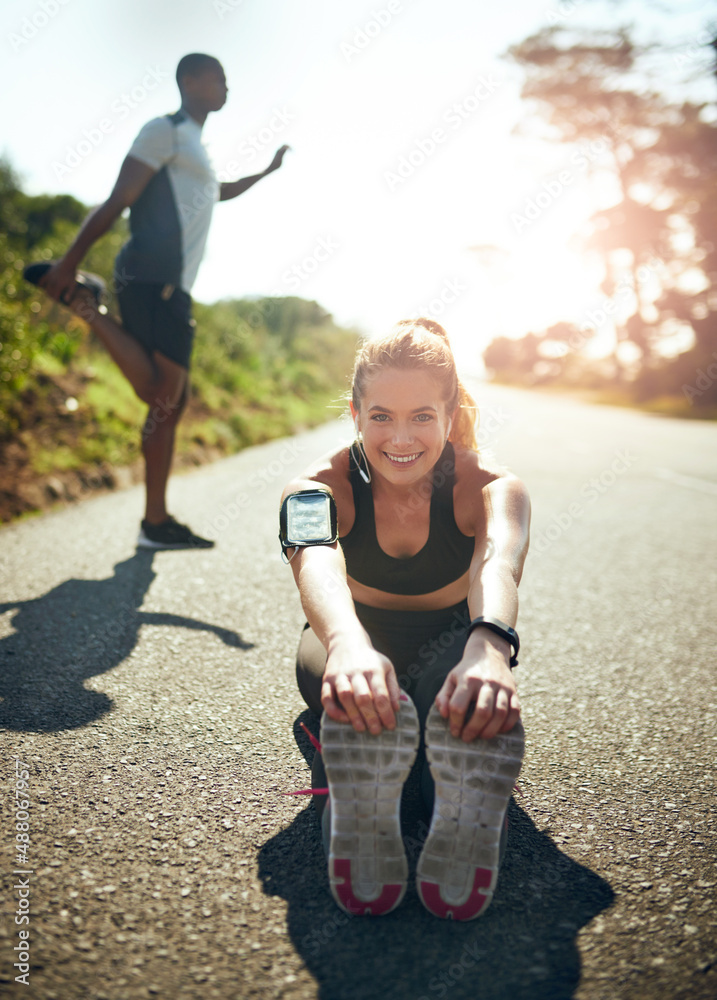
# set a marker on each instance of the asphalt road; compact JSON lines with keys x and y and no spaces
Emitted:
{"x":152,"y":700}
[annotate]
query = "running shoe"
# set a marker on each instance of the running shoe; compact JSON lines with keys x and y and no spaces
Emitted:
{"x":457,"y":871}
{"x":368,"y":868}
{"x":170,"y":535}
{"x":91,"y":282}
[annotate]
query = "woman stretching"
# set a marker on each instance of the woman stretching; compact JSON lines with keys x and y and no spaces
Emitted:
{"x":407,"y":552}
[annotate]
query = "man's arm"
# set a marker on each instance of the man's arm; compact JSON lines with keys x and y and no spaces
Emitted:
{"x":232,"y":189}
{"x":133,"y":178}
{"x":483,"y":675}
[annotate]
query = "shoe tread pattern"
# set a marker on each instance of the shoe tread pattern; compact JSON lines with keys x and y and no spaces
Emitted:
{"x":367,"y":860}
{"x":458,"y":867}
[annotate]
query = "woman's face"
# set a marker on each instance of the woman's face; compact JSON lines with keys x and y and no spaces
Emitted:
{"x":404,"y":424}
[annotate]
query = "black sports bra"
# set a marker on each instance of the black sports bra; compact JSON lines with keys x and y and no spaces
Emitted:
{"x":443,"y":559}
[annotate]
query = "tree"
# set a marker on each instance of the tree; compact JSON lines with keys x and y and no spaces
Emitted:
{"x":662,"y":160}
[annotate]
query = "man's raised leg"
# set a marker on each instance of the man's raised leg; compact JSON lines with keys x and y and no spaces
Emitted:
{"x":139,"y":368}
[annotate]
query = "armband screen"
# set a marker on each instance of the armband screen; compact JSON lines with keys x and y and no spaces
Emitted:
{"x":308,"y":518}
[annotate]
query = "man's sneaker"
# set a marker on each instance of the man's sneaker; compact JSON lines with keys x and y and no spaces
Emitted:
{"x":170,"y":535}
{"x":85,"y":279}
{"x":457,"y":871}
{"x":368,"y":868}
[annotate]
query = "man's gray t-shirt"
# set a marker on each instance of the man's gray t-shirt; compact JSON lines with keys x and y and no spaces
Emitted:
{"x":169,"y":222}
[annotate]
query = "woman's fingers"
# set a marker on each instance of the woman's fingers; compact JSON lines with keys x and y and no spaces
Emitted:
{"x":457,"y":708}
{"x":513,"y":714}
{"x":330,"y":705}
{"x":394,"y":691}
{"x":489,"y":716}
{"x":445,"y":694}
{"x":496,"y":710}
{"x":367,"y":698}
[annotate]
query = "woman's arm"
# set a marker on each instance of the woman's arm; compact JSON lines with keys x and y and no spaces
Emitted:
{"x":359,"y":684}
{"x":483,"y":675}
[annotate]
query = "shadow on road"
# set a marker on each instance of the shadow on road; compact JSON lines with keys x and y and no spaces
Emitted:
{"x":77,"y":630}
{"x":524,"y":948}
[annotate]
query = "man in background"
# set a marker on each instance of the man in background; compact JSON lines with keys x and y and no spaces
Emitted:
{"x":168,"y":184}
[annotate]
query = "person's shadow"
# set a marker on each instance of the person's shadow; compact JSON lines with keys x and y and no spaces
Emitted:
{"x":77,"y":630}
{"x":523,"y":948}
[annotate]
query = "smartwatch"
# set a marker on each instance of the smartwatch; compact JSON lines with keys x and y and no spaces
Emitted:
{"x":501,"y":629}
{"x":308,"y":517}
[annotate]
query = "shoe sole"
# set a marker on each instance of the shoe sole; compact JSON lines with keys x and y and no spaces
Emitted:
{"x":368,"y":869}
{"x":85,"y":279}
{"x":146,"y":543}
{"x":457,"y":871}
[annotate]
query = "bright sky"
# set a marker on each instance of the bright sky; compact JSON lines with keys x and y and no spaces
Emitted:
{"x":404,"y":186}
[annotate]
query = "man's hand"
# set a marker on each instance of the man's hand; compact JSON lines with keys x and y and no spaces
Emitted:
{"x":360,"y":687}
{"x":59,"y":282}
{"x":482,"y":678}
{"x":276,"y":162}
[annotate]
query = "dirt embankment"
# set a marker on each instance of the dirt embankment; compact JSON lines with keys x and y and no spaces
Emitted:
{"x":42,"y":421}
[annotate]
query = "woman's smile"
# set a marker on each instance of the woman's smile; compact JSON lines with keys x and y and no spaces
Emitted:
{"x":403,"y":461}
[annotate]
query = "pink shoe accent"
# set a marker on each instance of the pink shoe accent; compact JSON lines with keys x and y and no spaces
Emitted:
{"x":431,"y":896}
{"x":309,"y":791}
{"x":389,"y":897}
{"x":314,"y":742}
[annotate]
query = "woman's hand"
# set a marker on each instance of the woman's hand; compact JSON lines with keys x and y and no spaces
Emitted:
{"x":360,"y":686}
{"x":482,"y":678}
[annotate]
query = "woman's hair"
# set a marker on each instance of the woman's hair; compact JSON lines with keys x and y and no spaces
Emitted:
{"x":420,"y":344}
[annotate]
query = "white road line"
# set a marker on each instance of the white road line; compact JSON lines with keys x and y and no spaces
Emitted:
{"x":689,"y":482}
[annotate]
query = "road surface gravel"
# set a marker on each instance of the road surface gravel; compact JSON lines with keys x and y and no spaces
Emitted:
{"x":151,"y":699}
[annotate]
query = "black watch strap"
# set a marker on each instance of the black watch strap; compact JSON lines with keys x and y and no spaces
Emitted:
{"x":501,"y":629}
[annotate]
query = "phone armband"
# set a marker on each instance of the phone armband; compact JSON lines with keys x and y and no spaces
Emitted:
{"x":308,"y":517}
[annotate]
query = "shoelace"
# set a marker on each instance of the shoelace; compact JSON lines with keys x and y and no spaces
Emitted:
{"x":317,"y":746}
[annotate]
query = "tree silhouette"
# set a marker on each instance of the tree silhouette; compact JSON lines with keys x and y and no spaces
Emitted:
{"x":657,"y":233}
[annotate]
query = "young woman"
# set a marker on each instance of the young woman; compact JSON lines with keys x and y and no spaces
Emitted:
{"x":407,"y":552}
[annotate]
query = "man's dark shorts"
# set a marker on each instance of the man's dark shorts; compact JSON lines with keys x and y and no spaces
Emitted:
{"x":160,"y":318}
